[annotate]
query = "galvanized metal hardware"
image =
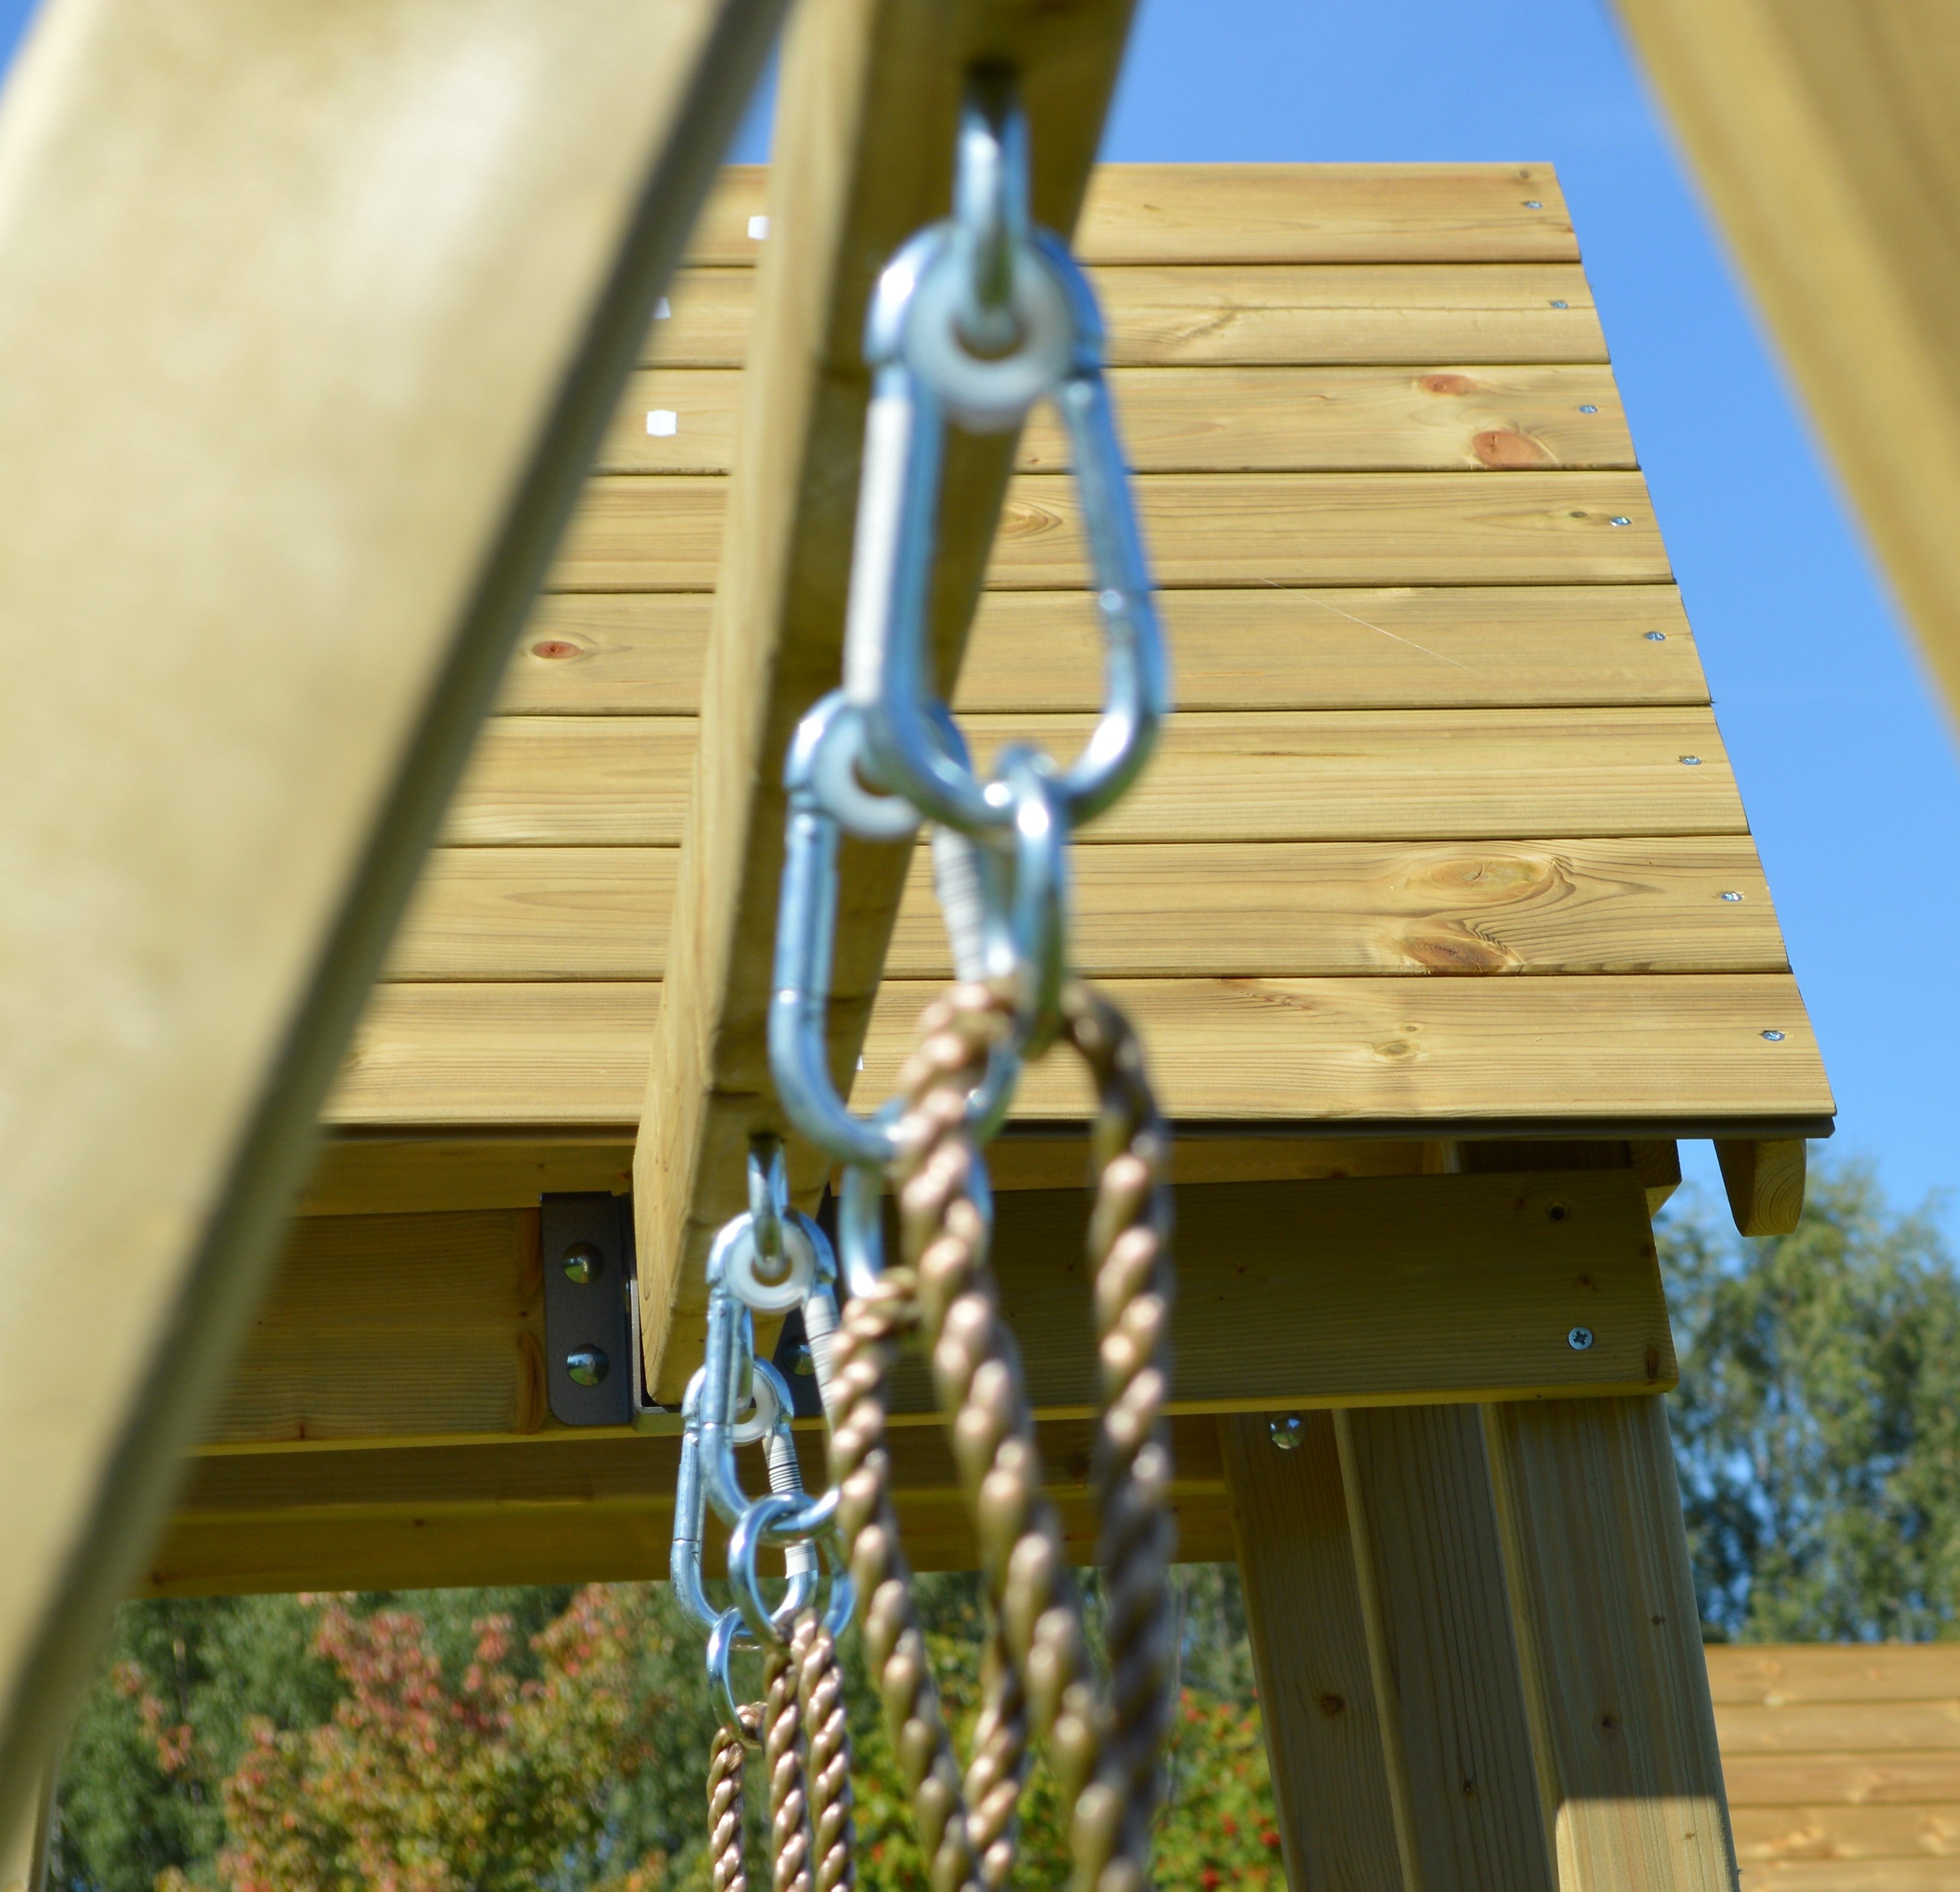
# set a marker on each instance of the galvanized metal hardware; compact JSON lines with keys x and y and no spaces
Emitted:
{"x":974,"y":320}
{"x":768,"y":1260}
{"x":590,"y":1370}
{"x":1579,"y":1339}
{"x":878,"y":756}
{"x":1288,"y":1431}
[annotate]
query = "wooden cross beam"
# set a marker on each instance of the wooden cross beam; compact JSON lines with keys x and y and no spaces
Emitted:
{"x":1823,"y":134}
{"x":310,"y":318}
{"x":871,"y":91}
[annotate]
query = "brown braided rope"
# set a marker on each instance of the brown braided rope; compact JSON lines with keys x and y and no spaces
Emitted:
{"x":783,"y":1759}
{"x":727,"y":1765}
{"x":827,"y":1758}
{"x":1129,"y":1252}
{"x":1037,"y":1677}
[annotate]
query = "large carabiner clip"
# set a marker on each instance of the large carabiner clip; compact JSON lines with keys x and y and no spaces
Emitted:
{"x":821,"y":779}
{"x":926,"y":375}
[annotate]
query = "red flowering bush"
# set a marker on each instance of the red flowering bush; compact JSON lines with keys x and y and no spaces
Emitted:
{"x":417,"y":1785}
{"x":522,"y":1766}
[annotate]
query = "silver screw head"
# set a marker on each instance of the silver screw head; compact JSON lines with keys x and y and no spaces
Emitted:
{"x":1586,"y":407}
{"x":1730,"y":894}
{"x":1532,"y":203}
{"x":1561,"y":305}
{"x":804,"y":1365}
{"x":1656,"y":637}
{"x":1775,"y":1038}
{"x":1289,"y":1431}
{"x":1620,"y":518}
{"x":587,"y":1365}
{"x":1691,"y":761}
{"x":582,"y":1262}
{"x":1579,"y":1339}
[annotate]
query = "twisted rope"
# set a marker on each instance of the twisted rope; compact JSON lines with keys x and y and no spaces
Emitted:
{"x":826,"y":1730}
{"x":1129,"y":1252}
{"x":1037,"y":1678}
{"x":783,"y":1757}
{"x":727,"y":1765}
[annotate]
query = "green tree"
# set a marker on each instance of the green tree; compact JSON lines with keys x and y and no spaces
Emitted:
{"x":1817,"y":1428}
{"x":495,"y":1739}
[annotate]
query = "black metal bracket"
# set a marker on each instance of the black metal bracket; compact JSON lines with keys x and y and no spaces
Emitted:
{"x":590,"y":1367}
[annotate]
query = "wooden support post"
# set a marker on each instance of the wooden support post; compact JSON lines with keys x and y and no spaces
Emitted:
{"x":1822,"y":133}
{"x":1606,"y":1619}
{"x":863,"y":155}
{"x":23,"y":1846}
{"x":311,"y":320}
{"x":1764,"y":1181}
{"x":1310,"y":1651}
{"x":1448,"y":1685}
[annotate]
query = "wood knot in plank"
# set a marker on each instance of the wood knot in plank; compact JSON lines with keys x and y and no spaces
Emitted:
{"x":1459,"y":949}
{"x":1501,"y":446}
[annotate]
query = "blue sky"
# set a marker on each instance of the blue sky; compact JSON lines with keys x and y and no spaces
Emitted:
{"x":1844,"y":762}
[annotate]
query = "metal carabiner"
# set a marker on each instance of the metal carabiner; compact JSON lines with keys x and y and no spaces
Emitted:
{"x":805,"y":927}
{"x":924,"y":376}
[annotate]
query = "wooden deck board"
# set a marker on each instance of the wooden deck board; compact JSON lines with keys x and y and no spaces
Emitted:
{"x":639,"y":534}
{"x":1433,"y":703}
{"x":1263,"y":213}
{"x":1367,"y":1053}
{"x":1335,"y":775}
{"x":1401,"y":419}
{"x":1241,"y":313}
{"x":1403,"y":647}
{"x":1228,"y":909}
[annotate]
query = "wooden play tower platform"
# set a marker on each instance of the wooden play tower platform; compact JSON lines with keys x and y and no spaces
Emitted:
{"x":1438,"y":909}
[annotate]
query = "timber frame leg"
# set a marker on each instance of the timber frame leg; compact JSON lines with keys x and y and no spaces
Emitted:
{"x":24,"y":1848}
{"x":1499,"y":1597}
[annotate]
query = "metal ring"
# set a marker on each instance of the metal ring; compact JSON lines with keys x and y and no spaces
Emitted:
{"x":721,"y":1640}
{"x":1040,"y":911}
{"x":743,"y":1542}
{"x":987,"y":395}
{"x":771,"y":1398}
{"x":732,"y":1263}
{"x":836,"y":755}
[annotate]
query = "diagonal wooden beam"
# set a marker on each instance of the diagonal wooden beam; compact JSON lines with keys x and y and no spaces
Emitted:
{"x":1824,"y":135}
{"x":870,"y":94}
{"x":264,"y":543}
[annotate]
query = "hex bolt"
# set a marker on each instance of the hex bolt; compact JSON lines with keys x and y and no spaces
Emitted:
{"x":584,"y":1263}
{"x":1579,"y":1339}
{"x":587,"y":1365}
{"x":1775,"y":1038}
{"x":1289,"y":1431}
